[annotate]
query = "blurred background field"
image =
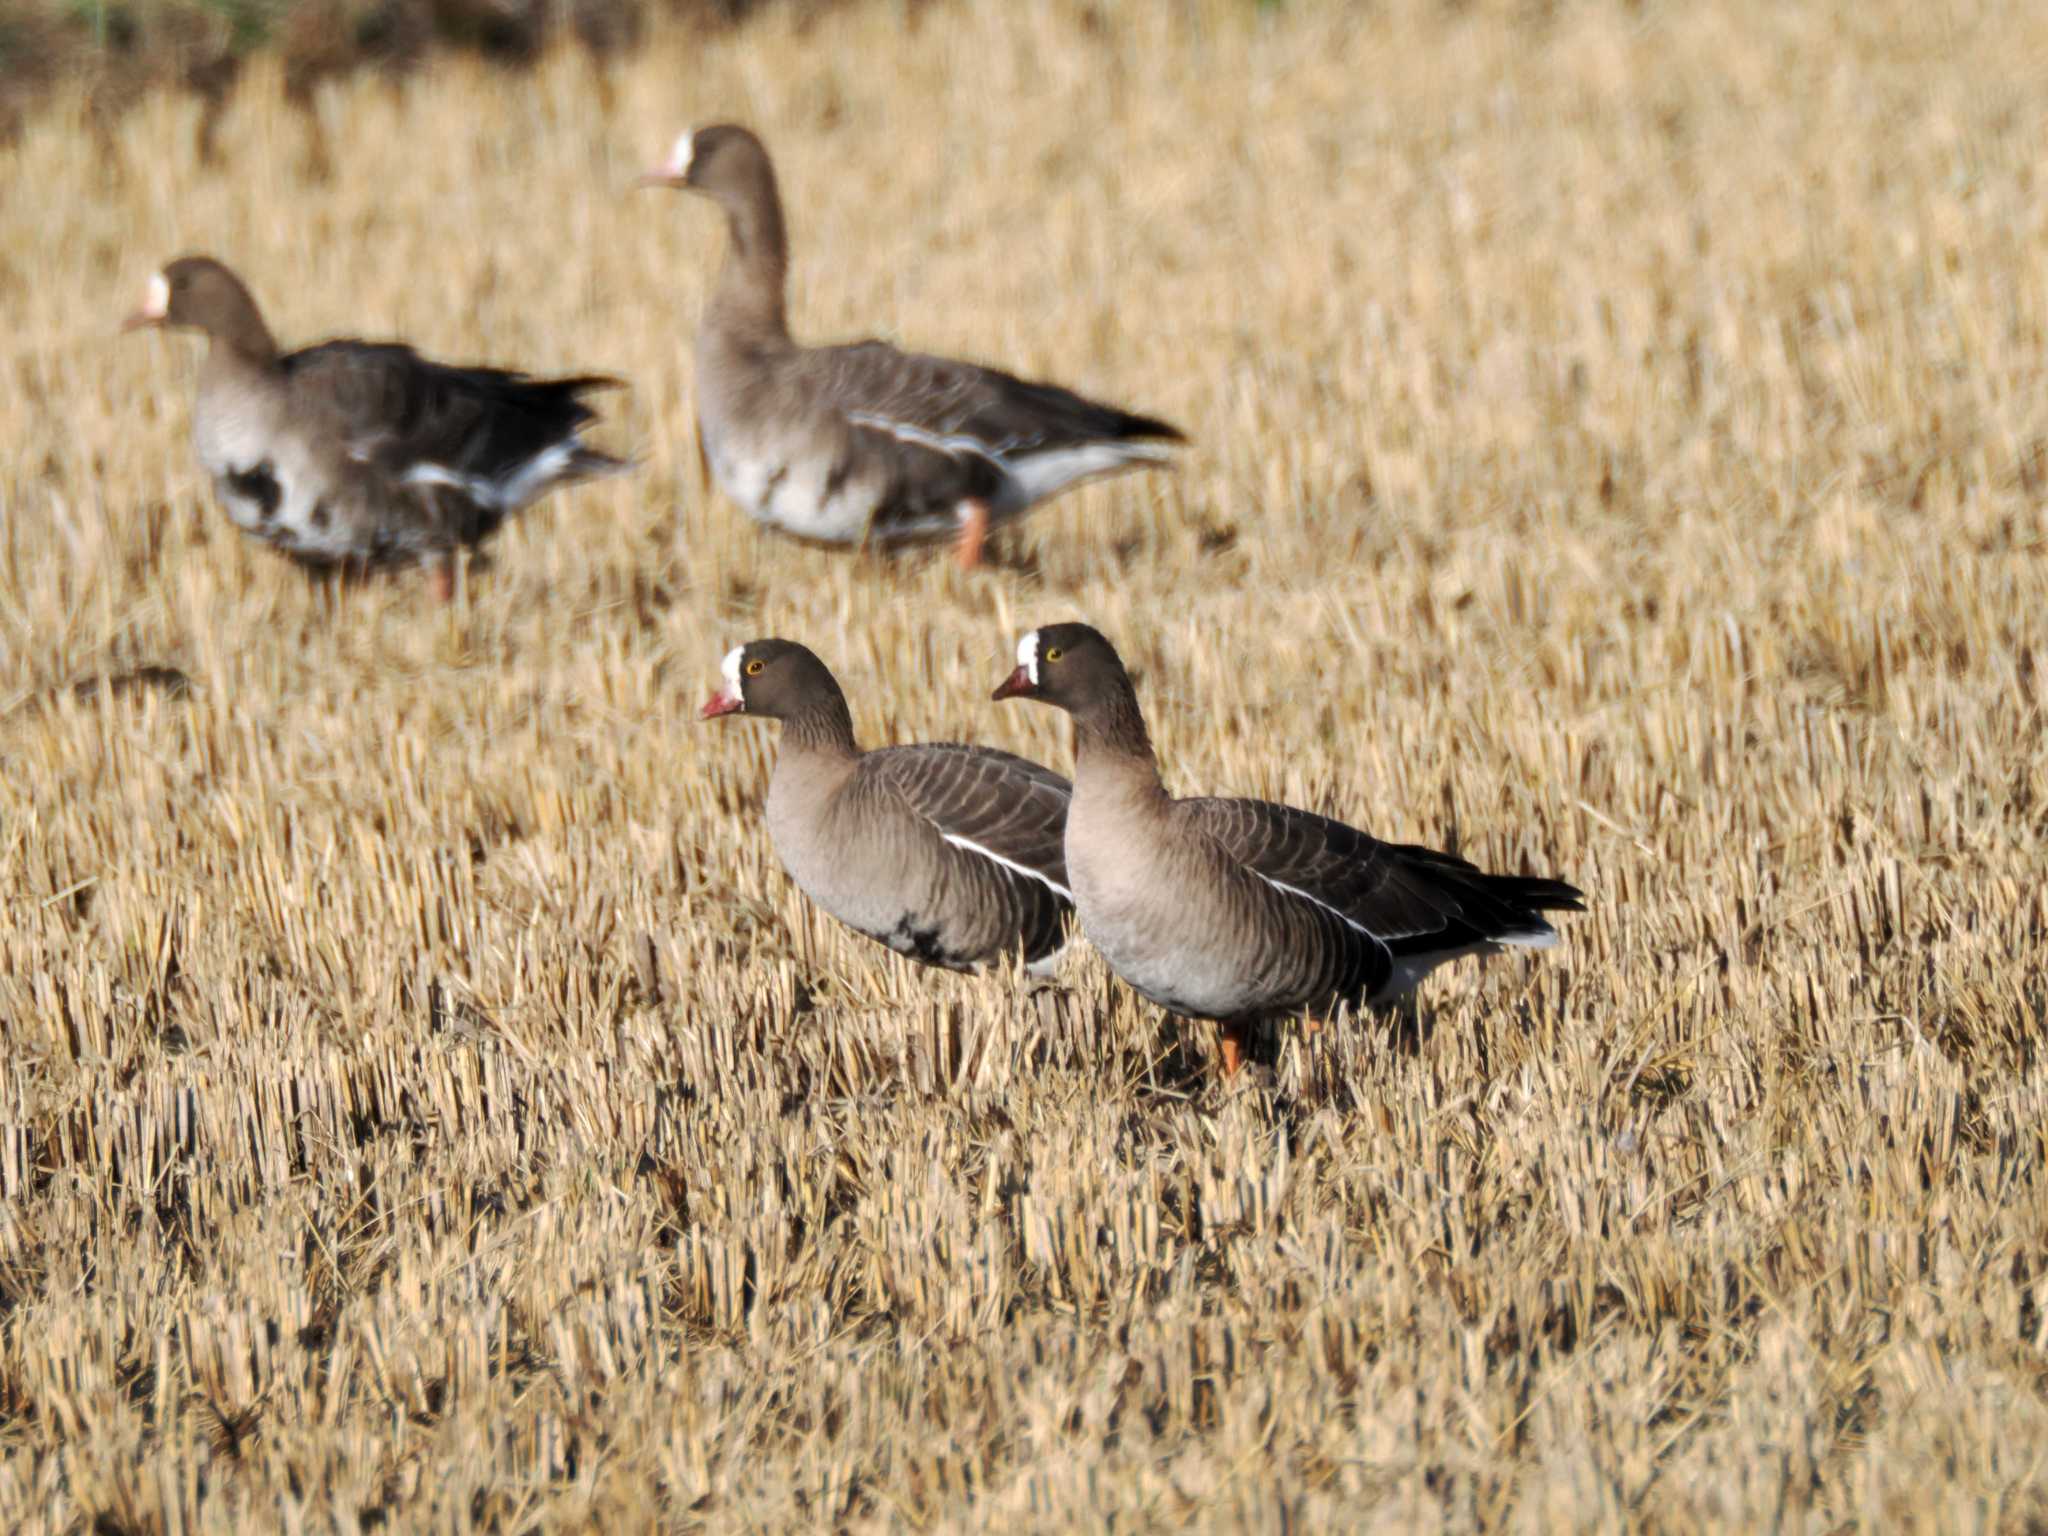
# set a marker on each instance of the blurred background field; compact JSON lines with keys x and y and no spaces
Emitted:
{"x":116,"y":49}
{"x":1621,"y":447}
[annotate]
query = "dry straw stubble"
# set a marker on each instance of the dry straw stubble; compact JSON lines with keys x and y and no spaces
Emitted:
{"x":1620,"y":450}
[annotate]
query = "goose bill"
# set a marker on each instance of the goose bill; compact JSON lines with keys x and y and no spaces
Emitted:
{"x":674,"y":171}
{"x":156,"y":305}
{"x":720,"y":703}
{"x":1018,"y":685}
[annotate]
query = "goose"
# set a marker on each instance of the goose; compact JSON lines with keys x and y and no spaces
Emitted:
{"x":949,"y":854}
{"x":1241,"y":910}
{"x":365,"y":454}
{"x":864,"y":443}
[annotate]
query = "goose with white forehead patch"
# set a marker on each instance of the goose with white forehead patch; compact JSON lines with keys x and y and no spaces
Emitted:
{"x":860,"y":443}
{"x":362,"y":454}
{"x":1244,"y":911}
{"x":947,"y":853}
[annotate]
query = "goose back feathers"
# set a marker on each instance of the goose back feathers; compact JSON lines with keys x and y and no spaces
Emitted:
{"x":1242,"y":909}
{"x":950,"y":854}
{"x":364,"y":453}
{"x":847,"y":444}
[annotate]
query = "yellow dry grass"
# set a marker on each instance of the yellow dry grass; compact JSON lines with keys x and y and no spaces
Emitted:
{"x":1621,"y":445}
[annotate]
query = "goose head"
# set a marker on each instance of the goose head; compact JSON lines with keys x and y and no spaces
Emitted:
{"x":721,"y":160}
{"x":775,"y":679}
{"x":1069,"y":666}
{"x":195,"y":293}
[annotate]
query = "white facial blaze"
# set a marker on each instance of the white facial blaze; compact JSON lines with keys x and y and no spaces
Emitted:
{"x":679,"y":157}
{"x":731,"y":668}
{"x":1027,"y":656}
{"x":156,"y":300}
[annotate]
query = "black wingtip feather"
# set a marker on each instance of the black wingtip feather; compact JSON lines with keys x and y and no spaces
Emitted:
{"x":1538,"y":895}
{"x":1135,"y":426}
{"x":591,"y":463}
{"x":1495,"y":906}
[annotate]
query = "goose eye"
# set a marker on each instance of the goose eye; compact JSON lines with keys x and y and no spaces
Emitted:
{"x":753,"y":669}
{"x":1052,"y":653}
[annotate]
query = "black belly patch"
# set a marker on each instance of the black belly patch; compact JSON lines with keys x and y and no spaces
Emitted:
{"x":920,"y":943}
{"x":258,"y":485}
{"x":321,"y":516}
{"x":773,"y":484}
{"x":836,"y":480}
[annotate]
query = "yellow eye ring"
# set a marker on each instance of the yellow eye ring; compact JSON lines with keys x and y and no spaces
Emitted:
{"x":753,"y":669}
{"x":1052,"y":653}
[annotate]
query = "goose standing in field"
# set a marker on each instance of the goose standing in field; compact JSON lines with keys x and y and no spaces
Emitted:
{"x":860,"y":443}
{"x":946,"y":853}
{"x":365,"y":454}
{"x":1242,"y":910}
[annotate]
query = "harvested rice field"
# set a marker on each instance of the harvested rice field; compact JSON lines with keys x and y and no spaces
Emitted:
{"x":1620,"y":451}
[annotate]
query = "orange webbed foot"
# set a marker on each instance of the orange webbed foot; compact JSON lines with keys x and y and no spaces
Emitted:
{"x":973,"y":534}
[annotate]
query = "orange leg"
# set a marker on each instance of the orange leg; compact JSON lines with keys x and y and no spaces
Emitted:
{"x":973,"y":533}
{"x":441,"y":574}
{"x":1233,"y":1037}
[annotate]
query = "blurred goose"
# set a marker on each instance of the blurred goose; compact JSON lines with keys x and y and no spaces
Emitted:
{"x":365,"y":454}
{"x":1241,"y":910}
{"x":948,"y":854}
{"x":850,"y":444}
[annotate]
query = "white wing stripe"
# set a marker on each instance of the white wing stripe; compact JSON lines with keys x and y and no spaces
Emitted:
{"x":514,"y":491}
{"x":472,"y":486}
{"x":1038,"y":875}
{"x":1317,"y":901}
{"x":1544,"y":937}
{"x":952,"y":446}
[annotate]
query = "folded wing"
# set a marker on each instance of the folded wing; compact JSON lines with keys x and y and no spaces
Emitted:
{"x":1414,"y":901}
{"x":997,"y":806}
{"x":946,"y":431}
{"x":493,"y":439}
{"x":965,"y":408}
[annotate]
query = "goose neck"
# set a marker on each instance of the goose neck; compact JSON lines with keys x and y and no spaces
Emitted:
{"x":1112,"y":745}
{"x":242,"y":345}
{"x":749,"y":300}
{"x":824,"y":730}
